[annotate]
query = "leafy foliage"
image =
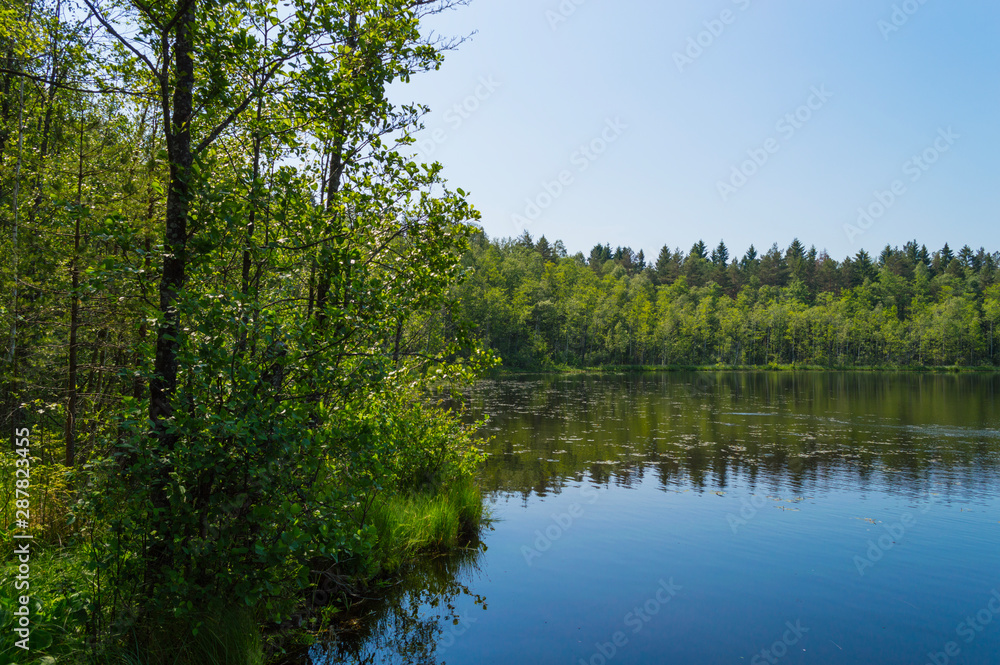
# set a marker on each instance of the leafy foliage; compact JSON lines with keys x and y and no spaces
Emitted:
{"x":909,"y":308}
{"x":229,"y":312}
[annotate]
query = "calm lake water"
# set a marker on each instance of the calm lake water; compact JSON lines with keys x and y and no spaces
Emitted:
{"x":740,"y":518}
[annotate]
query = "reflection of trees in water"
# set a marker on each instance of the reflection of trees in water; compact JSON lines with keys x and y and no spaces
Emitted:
{"x":405,"y":623}
{"x":907,"y":434}
{"x":798,"y":431}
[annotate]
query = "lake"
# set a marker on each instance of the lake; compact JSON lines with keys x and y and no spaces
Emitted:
{"x":757,"y":517}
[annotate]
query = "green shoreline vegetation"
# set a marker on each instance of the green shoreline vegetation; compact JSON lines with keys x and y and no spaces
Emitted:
{"x":773,"y":367}
{"x":538,"y":307}
{"x":422,"y":499}
{"x":228,"y":336}
{"x":237,"y":306}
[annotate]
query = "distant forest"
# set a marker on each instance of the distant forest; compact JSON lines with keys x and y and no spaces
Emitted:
{"x":537,"y":306}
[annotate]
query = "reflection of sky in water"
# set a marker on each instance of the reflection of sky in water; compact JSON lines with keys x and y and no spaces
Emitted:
{"x":764,"y":496}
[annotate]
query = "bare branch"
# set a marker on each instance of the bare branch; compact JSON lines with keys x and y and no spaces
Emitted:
{"x":75,"y":88}
{"x":124,"y":42}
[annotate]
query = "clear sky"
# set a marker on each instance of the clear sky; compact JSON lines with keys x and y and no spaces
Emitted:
{"x":646,"y":123}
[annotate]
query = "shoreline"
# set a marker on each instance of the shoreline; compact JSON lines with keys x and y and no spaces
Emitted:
{"x":651,"y":369}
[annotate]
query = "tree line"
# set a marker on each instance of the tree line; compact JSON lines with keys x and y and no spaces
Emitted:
{"x":536,"y":305}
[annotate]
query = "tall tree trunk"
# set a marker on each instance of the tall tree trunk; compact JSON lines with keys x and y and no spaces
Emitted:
{"x":74,"y":314}
{"x":398,"y":339}
{"x":325,"y":271}
{"x":163,"y":385}
{"x":245,"y":280}
{"x":334,"y":180}
{"x":5,"y":111}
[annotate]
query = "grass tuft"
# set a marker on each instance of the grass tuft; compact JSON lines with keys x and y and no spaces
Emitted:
{"x":233,"y":638}
{"x":409,"y":524}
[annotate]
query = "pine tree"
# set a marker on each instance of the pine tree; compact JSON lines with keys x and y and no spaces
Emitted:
{"x":796,"y":250}
{"x":720,"y":255}
{"x":864,"y":267}
{"x":699,"y":250}
{"x":598,"y":256}
{"x":773,"y":268}
{"x":885,"y":257}
{"x":543,"y":248}
{"x":664,"y":263}
{"x":966,"y":255}
{"x":626,"y":259}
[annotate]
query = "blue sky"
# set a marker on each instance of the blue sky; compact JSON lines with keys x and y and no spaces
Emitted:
{"x":648,"y":123}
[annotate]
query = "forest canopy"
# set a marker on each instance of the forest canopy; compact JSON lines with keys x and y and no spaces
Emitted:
{"x":537,"y":306}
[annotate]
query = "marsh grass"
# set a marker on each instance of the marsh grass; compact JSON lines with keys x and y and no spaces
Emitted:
{"x":232,"y":638}
{"x":418,"y":522}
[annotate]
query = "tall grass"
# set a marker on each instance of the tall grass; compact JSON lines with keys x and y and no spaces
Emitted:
{"x":50,"y":491}
{"x":233,"y":638}
{"x":411,"y":523}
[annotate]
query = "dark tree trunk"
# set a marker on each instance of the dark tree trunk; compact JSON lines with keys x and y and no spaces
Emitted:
{"x":74,"y":316}
{"x":5,"y":111}
{"x":163,"y":385}
{"x":334,"y":179}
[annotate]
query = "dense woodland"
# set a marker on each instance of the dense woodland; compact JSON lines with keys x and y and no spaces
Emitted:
{"x":225,"y":320}
{"x":232,"y":303}
{"x":537,"y":306}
